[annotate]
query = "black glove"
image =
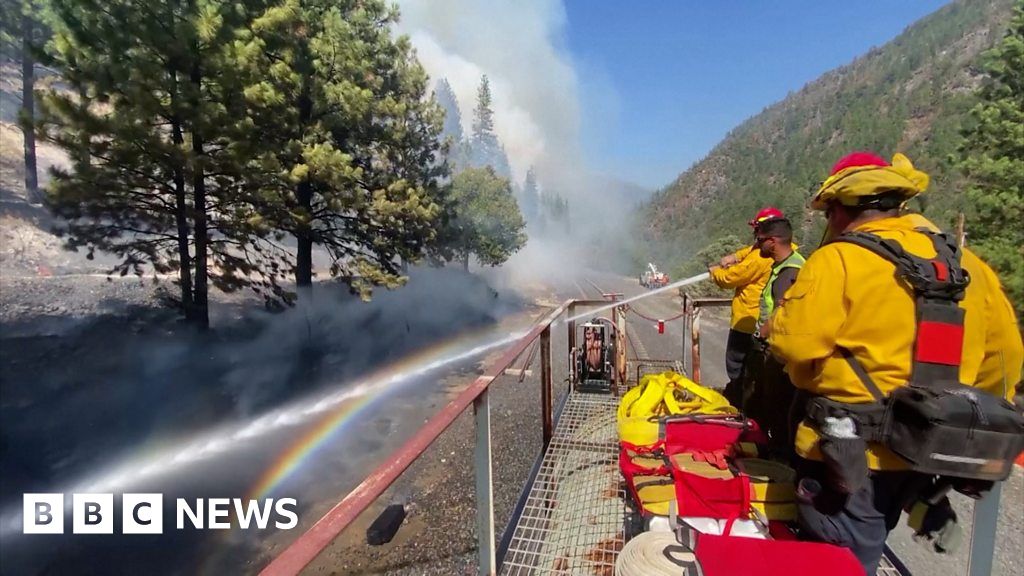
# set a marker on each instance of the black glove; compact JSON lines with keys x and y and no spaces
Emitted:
{"x":845,"y":462}
{"x":937,"y":524}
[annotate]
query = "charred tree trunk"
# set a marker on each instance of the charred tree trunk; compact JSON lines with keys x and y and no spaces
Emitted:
{"x":181,"y":210}
{"x":201,"y":316}
{"x":304,"y":237}
{"x":304,"y":196}
{"x":28,"y":109}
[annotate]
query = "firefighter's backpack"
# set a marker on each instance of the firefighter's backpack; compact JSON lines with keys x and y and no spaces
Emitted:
{"x":934,"y":422}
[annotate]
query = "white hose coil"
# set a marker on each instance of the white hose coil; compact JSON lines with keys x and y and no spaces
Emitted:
{"x":655,"y":554}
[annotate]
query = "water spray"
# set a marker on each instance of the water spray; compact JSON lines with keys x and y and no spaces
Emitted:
{"x":674,"y":285}
{"x":134,"y":470}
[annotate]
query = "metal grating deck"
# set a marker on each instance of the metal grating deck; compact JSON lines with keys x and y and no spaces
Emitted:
{"x":574,"y":515}
{"x":573,"y":519}
{"x":886,"y":568}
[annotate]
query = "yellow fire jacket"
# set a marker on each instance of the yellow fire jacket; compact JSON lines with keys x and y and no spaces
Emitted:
{"x":846,"y":296}
{"x":747,"y":277}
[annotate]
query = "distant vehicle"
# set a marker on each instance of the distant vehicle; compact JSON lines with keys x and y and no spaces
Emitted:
{"x":653,"y":278}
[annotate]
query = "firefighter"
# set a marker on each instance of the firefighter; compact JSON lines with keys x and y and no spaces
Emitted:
{"x":767,"y":393}
{"x":848,"y":317}
{"x":746,"y":272}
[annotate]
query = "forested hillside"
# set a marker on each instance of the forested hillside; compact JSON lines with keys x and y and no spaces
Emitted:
{"x":911,"y":95}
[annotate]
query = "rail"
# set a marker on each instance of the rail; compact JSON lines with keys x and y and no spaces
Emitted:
{"x":310,"y":544}
{"x":691,"y":330}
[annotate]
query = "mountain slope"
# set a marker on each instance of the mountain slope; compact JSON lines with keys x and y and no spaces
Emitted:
{"x":910,"y":95}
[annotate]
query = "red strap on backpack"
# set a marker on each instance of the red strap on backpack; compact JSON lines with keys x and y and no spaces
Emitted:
{"x":939,"y":343}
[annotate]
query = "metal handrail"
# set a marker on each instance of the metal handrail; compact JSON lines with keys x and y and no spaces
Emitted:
{"x":307,"y":546}
{"x":691,"y":329}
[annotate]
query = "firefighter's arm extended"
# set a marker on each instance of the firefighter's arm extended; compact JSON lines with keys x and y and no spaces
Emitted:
{"x":735,"y":257}
{"x":1000,"y":368}
{"x":747,"y":270}
{"x":805,"y":327}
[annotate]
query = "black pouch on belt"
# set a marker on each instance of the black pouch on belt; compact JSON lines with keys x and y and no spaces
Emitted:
{"x":845,"y":462}
{"x":844,"y":452}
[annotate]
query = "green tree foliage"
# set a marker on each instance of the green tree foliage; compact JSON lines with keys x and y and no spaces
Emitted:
{"x":355,"y":140}
{"x":706,"y":256}
{"x":910,"y":95}
{"x":488,"y":223}
{"x":164,"y":169}
{"x":553,"y":213}
{"x":458,"y":146}
{"x":445,"y":97}
{"x":992,"y":158}
{"x":486,"y":149}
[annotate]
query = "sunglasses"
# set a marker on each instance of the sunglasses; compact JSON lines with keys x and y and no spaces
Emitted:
{"x":758,"y":240}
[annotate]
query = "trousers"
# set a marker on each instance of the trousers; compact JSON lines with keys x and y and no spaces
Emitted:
{"x":860,"y":521}
{"x":737,"y":346}
{"x":768,"y":398}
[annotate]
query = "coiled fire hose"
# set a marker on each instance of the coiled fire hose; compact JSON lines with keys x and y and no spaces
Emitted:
{"x":656,"y":554}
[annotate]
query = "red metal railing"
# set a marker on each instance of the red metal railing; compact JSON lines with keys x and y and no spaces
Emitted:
{"x":307,"y":546}
{"x":691,"y":329}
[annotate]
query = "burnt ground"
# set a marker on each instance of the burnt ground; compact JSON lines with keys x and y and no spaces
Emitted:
{"x":95,"y":371}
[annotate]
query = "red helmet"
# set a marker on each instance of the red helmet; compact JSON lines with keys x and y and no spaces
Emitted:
{"x":858,"y":159}
{"x":766,"y":214}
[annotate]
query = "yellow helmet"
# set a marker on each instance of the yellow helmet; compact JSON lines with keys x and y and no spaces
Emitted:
{"x":862,"y":175}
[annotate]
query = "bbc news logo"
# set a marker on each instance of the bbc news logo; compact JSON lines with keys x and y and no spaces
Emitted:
{"x":143,"y":513}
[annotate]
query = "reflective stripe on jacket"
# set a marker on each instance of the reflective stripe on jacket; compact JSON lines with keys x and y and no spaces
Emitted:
{"x":794,"y":260}
{"x":848,"y":297}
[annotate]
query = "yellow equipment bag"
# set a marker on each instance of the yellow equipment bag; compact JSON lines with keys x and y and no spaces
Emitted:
{"x":655,"y":493}
{"x":664,"y":394}
{"x":772,"y":486}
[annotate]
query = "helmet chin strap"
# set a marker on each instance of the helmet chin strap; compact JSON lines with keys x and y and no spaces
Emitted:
{"x":825,"y":236}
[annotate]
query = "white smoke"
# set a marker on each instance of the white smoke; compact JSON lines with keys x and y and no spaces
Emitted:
{"x":520,"y":47}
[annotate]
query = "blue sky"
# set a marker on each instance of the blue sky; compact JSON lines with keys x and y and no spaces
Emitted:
{"x":662,"y":82}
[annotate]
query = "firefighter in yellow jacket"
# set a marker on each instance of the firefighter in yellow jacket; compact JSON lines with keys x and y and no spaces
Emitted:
{"x":848,"y":300}
{"x":746,"y":271}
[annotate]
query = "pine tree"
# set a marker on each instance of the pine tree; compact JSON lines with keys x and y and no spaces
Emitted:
{"x":486,"y":149}
{"x":23,"y":32}
{"x":554,"y":212}
{"x":488,"y":223}
{"x":483,"y":115}
{"x":452,"y":117}
{"x":161,"y":145}
{"x":458,"y":146}
{"x":992,"y":158}
{"x":357,"y":142}
{"x":530,"y":198}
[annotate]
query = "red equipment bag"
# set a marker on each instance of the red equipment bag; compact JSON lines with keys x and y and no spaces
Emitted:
{"x":696,"y":495}
{"x":707,"y":432}
{"x":732,"y":555}
{"x":644,"y":462}
{"x":725,"y":496}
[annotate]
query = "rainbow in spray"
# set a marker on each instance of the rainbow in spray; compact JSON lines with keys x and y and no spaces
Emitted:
{"x":334,"y":409}
{"x":450,"y":352}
